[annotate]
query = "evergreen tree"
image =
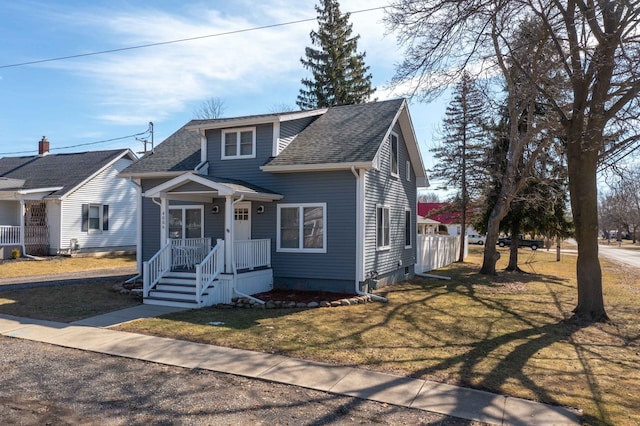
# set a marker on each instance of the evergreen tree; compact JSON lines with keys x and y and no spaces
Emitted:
{"x":339,"y":74}
{"x":460,"y":156}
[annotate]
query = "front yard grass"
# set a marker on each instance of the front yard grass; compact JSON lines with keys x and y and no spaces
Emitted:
{"x":60,"y":265}
{"x":509,"y":334}
{"x":66,"y":303}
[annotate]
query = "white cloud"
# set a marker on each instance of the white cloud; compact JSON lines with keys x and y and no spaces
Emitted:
{"x":157,"y":82}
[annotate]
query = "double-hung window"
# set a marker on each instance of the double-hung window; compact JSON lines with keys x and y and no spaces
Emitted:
{"x":302,"y":228}
{"x":95,"y":218}
{"x":408,"y":229}
{"x":383,"y":231}
{"x":393,"y":139}
{"x":239,"y":143}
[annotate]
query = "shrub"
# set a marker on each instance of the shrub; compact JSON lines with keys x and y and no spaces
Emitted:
{"x":15,"y":253}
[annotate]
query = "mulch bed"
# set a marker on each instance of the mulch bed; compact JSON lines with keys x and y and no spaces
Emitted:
{"x":301,"y":296}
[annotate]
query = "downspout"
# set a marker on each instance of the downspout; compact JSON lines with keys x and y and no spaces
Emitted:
{"x":233,"y":261}
{"x":360,"y":236}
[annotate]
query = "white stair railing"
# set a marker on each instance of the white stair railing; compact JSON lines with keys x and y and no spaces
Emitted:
{"x":209,"y":269}
{"x":154,"y":268}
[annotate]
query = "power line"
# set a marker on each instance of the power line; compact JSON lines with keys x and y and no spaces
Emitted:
{"x":82,"y":144}
{"x":162,"y":43}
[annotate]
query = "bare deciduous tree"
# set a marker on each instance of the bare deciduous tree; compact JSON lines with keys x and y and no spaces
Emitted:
{"x":597,"y":45}
{"x":209,"y":109}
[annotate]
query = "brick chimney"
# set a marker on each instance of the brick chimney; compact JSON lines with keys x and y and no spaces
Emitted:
{"x":43,"y":146}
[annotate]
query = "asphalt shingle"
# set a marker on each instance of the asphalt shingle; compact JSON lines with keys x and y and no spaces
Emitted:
{"x":54,"y":170}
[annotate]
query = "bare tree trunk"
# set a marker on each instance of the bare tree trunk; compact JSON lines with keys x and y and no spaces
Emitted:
{"x":513,"y":250}
{"x":582,"y":165}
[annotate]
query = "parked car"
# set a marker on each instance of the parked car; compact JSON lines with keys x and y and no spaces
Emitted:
{"x":476,"y":239}
{"x":522,"y":242}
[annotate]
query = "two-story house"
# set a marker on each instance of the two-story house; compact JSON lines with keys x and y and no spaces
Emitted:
{"x":314,"y":200}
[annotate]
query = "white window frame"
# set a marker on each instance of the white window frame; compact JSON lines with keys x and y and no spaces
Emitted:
{"x":99,"y":229}
{"x":391,"y":154}
{"x":238,"y":132}
{"x":184,"y":229}
{"x":408,"y":172}
{"x":380,"y":208}
{"x":301,"y":248}
{"x":408,"y":214}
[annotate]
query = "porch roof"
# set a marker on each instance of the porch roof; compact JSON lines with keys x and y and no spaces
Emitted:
{"x":208,"y":187}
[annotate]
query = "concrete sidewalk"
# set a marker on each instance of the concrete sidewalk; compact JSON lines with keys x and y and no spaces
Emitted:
{"x":419,"y":394}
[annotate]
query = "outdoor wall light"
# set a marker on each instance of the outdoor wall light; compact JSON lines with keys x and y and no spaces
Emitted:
{"x":215,"y":210}
{"x":260,"y":209}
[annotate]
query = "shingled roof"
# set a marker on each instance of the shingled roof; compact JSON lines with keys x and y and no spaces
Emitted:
{"x":344,"y":134}
{"x":180,"y":152}
{"x":65,"y":171}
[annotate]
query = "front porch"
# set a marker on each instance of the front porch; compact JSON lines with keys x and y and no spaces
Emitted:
{"x":191,"y":269}
{"x":190,"y":273}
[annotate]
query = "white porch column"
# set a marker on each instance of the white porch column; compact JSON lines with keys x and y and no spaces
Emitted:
{"x":22,"y":228}
{"x":228,"y":234}
{"x":164,"y":217}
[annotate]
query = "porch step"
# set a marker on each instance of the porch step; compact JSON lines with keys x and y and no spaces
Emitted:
{"x":175,"y":295}
{"x":185,"y":282}
{"x":189,"y":304}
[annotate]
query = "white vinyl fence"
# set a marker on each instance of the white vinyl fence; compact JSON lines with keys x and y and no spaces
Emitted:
{"x":436,"y":251}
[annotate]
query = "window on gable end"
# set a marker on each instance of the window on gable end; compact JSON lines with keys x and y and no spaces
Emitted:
{"x":95,"y":218}
{"x":408,"y":171}
{"x":383,"y":231}
{"x":393,"y":138}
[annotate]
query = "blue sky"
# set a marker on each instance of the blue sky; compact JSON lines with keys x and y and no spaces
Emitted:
{"x":95,"y":98}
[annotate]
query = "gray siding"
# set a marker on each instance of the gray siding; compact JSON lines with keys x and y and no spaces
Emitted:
{"x":150,"y":222}
{"x":398,"y":194}
{"x":334,"y":270}
{"x":290,"y":129}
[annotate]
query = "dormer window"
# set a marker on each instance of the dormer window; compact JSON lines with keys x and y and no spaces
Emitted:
{"x":239,"y":143}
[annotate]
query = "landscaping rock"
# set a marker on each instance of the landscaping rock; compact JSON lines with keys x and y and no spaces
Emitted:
{"x":325,"y":304}
{"x":313,"y":305}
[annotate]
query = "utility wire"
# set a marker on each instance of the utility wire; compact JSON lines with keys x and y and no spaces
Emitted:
{"x":81,"y":144}
{"x":162,"y":43}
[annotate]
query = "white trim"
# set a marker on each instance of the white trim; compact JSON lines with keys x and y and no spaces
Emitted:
{"x":301,"y":207}
{"x":394,"y":173}
{"x":238,"y":131}
{"x":184,"y":208}
{"x":360,"y":225}
{"x":203,"y":148}
{"x":276,"y":139}
{"x":388,"y":245}
{"x":411,"y":230}
{"x":317,"y":167}
{"x":255,"y":120}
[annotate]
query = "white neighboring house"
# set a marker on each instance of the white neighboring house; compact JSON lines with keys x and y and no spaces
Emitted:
{"x":67,"y":203}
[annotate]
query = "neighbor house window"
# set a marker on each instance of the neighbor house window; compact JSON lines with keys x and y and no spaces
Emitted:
{"x":408,"y":230}
{"x":239,"y":143}
{"x":95,"y":218}
{"x":394,"y":153}
{"x":382,"y":227}
{"x":302,"y":228}
{"x":186,"y":222}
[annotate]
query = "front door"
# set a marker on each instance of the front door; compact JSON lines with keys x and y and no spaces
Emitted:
{"x":242,"y":221}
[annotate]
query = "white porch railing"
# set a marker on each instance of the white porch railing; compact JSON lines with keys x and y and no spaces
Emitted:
{"x":155,"y":268}
{"x":9,"y":235}
{"x":251,"y":254}
{"x":188,"y":252}
{"x":209,"y":269}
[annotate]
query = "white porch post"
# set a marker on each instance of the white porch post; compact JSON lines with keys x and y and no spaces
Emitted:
{"x":22,"y":228}
{"x":164,"y":213}
{"x":228,"y":234}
